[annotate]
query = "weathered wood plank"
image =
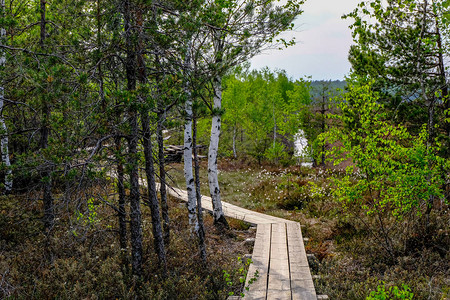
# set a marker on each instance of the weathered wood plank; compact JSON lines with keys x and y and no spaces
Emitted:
{"x":297,"y":253}
{"x":260,"y":265}
{"x":279,"y":255}
{"x":278,"y":295}
{"x":255,"y":295}
{"x":302,"y":290}
{"x":279,"y":286}
{"x":302,"y":285}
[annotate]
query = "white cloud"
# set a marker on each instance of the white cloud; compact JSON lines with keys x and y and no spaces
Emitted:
{"x":323,"y":40}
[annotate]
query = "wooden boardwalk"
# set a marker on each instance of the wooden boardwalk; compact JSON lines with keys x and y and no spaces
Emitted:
{"x":280,"y":264}
{"x":280,"y":267}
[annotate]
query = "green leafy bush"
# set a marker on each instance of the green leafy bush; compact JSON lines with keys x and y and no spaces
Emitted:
{"x":392,"y":173}
{"x":393,"y":293}
{"x":276,"y":153}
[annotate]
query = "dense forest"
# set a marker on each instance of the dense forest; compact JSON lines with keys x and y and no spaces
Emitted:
{"x":93,"y":93}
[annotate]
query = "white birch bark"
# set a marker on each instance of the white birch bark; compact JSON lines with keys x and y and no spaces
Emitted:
{"x":213,"y":180}
{"x":274,"y":125}
{"x":188,"y":173}
{"x":234,"y":141}
{"x":3,"y":129}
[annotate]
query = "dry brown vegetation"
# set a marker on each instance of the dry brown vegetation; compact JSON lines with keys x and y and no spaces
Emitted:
{"x":349,"y":257}
{"x":86,"y":261}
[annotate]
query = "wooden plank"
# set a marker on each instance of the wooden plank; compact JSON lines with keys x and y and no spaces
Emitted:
{"x":279,"y":286}
{"x":230,"y":210}
{"x":297,"y":253}
{"x":260,"y":265}
{"x":279,"y":255}
{"x":278,"y":295}
{"x":255,"y":295}
{"x":303,"y":290}
{"x":302,"y":285}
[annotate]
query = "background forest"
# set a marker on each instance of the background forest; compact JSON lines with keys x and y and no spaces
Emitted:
{"x":92,"y":93}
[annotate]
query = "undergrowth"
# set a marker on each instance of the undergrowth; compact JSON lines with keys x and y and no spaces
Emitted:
{"x":349,"y":257}
{"x":86,"y":261}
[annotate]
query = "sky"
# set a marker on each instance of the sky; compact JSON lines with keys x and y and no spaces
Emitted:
{"x":322,"y":43}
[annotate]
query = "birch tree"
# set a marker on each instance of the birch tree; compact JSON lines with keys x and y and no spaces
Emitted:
{"x":4,"y":144}
{"x":188,"y":144}
{"x":238,"y":30}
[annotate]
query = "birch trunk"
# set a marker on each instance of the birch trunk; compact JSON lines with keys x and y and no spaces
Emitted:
{"x":188,"y":174}
{"x":201,"y":227}
{"x":3,"y":129}
{"x":214,"y":189}
{"x":322,"y":163}
{"x":234,"y":141}
{"x":274,"y":127}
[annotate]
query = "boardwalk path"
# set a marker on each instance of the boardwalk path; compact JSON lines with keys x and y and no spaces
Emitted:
{"x":279,"y":257}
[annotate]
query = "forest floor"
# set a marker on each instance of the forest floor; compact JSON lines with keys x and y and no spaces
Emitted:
{"x":350,"y":262}
{"x":86,"y":261}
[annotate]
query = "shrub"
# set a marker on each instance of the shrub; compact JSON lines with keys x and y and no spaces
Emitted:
{"x":393,"y":293}
{"x":393,"y":174}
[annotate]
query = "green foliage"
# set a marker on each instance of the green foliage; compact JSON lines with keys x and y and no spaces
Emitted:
{"x":242,"y":274}
{"x":396,"y":172}
{"x":403,"y":47}
{"x":91,"y":217}
{"x":262,"y":108}
{"x":393,"y":293}
{"x":277,"y":153}
{"x":314,"y":117}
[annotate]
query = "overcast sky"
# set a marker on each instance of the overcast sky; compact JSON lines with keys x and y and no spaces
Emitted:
{"x":322,"y":43}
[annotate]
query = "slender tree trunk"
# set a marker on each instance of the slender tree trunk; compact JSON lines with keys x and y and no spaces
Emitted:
{"x":201,"y":226}
{"x":42,"y":23}
{"x":122,"y":214}
{"x":322,"y":163}
{"x":149,"y":163}
{"x":101,"y":90}
{"x":161,"y":115}
{"x":214,"y":189}
{"x":49,"y":215}
{"x":446,"y":100}
{"x":162,"y":176}
{"x":234,"y":141}
{"x":4,"y":144}
{"x":135,"y":206}
{"x":188,"y":173}
{"x":133,"y":160}
{"x":153,"y":200}
{"x":274,"y":126}
{"x":428,"y":100}
{"x":443,"y":81}
{"x":274,"y":132}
